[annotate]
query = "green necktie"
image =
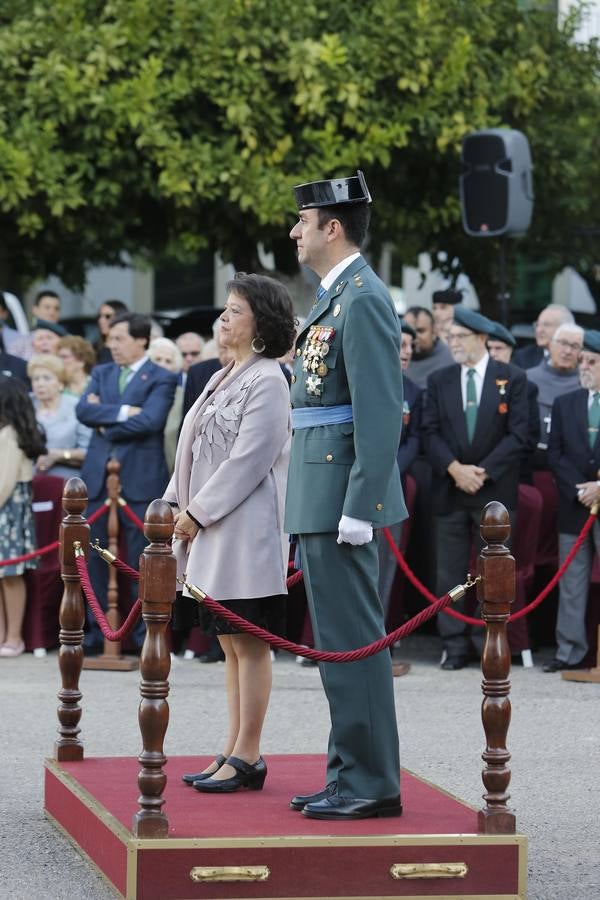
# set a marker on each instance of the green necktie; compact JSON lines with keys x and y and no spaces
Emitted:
{"x":594,"y":418}
{"x":123,"y":376}
{"x":471,"y":408}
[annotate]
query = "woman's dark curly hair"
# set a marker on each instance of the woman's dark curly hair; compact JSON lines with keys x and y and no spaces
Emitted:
{"x":16,"y":409}
{"x":273,"y":311}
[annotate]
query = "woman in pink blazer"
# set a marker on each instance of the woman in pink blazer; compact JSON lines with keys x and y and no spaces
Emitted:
{"x":228,"y":494}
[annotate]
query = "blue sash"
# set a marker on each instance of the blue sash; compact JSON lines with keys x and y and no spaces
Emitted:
{"x":313,"y":416}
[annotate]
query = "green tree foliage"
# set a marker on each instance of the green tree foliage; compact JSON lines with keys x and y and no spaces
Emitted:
{"x":173,"y":126}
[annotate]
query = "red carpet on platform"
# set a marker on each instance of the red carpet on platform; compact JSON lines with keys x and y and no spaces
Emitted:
{"x":94,"y":800}
{"x":251,"y":813}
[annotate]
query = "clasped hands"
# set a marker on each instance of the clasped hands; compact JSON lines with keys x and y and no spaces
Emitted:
{"x":588,"y":493}
{"x":185,"y":527}
{"x":467,"y":478}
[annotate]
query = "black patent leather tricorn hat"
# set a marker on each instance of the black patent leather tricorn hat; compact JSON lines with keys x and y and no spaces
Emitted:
{"x":335,"y":191}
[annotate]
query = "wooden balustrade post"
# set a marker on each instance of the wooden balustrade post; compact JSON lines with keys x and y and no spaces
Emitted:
{"x":158,"y":570}
{"x":496,"y":593}
{"x":111,"y":658}
{"x":73,"y":528}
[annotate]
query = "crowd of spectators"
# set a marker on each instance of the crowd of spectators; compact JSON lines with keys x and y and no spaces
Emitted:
{"x":478,"y":421}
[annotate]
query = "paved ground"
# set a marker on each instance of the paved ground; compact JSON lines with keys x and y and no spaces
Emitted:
{"x":554,"y":739}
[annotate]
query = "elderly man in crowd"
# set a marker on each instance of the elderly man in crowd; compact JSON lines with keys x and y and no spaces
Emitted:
{"x":574,"y":457}
{"x":190,"y":346}
{"x":430,"y":352}
{"x":555,"y":376}
{"x":476,"y":425}
{"x":547,"y":322}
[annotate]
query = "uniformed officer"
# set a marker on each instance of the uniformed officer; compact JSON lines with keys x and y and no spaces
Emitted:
{"x":343,"y":481}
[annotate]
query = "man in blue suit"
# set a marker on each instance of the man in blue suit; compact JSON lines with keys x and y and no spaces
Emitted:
{"x":127,"y":403}
{"x":574,"y":458}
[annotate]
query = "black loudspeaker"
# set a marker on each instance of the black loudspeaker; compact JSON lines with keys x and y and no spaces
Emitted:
{"x":496,"y":183}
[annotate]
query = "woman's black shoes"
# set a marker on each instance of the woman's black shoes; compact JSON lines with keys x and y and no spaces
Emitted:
{"x":202,"y":776}
{"x":251,"y":777}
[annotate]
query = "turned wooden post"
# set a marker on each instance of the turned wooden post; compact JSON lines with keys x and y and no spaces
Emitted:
{"x":111,"y":658}
{"x":74,"y":527}
{"x":158,"y":570}
{"x":496,"y":592}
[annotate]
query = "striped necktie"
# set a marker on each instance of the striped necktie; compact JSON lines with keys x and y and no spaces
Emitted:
{"x":594,"y":418}
{"x":471,"y":407}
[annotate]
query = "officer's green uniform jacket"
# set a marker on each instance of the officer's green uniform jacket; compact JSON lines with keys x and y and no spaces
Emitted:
{"x":348,"y":469}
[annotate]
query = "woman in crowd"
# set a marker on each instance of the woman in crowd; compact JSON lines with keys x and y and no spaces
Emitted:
{"x":228,"y":493}
{"x":106,"y":313}
{"x":21,"y":441}
{"x":79,"y":359}
{"x":167,"y":354}
{"x":66,"y":438}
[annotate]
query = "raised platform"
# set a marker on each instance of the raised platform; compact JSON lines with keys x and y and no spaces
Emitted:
{"x":257,"y":847}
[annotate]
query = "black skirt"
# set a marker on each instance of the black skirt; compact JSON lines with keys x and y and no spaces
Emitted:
{"x":266,"y":612}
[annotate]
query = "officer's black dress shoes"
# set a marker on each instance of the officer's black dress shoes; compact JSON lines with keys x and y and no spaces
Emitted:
{"x":453,"y":663}
{"x":201,"y":776}
{"x":557,"y":665}
{"x":335,"y":807}
{"x":246,"y":775}
{"x":300,"y":801}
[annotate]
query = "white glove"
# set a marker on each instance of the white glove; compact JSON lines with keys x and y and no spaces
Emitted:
{"x":354,"y":531}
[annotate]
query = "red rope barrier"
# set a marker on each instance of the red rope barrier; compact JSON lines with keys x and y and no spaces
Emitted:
{"x":49,"y":547}
{"x":339,"y":656}
{"x":94,"y":604}
{"x":514,"y":616}
{"x":123,"y":567}
{"x":215,"y":607}
{"x":131,"y":515}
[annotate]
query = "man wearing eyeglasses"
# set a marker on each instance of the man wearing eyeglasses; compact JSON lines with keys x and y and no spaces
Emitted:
{"x":555,"y":376}
{"x":574,"y":457}
{"x":476,"y":425}
{"x":190,"y":345}
{"x":547,"y":322}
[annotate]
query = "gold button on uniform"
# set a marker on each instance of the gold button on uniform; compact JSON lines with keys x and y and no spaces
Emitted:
{"x":329,"y":457}
{"x":298,"y":352}
{"x":379,"y":507}
{"x":293,"y":379}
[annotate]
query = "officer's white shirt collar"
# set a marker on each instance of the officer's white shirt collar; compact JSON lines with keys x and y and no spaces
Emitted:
{"x":335,"y":273}
{"x":480,"y":370}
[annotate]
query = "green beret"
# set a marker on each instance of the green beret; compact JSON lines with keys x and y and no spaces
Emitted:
{"x":472,"y":320}
{"x":591,"y":340}
{"x":407,"y":329}
{"x":500,"y":333}
{"x":447,"y":296}
{"x":51,"y":326}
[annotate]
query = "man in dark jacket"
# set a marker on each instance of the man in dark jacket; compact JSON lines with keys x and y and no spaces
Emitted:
{"x":574,"y":457}
{"x":476,"y":426}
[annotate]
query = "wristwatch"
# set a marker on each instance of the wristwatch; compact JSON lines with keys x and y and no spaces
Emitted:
{"x":67,"y":455}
